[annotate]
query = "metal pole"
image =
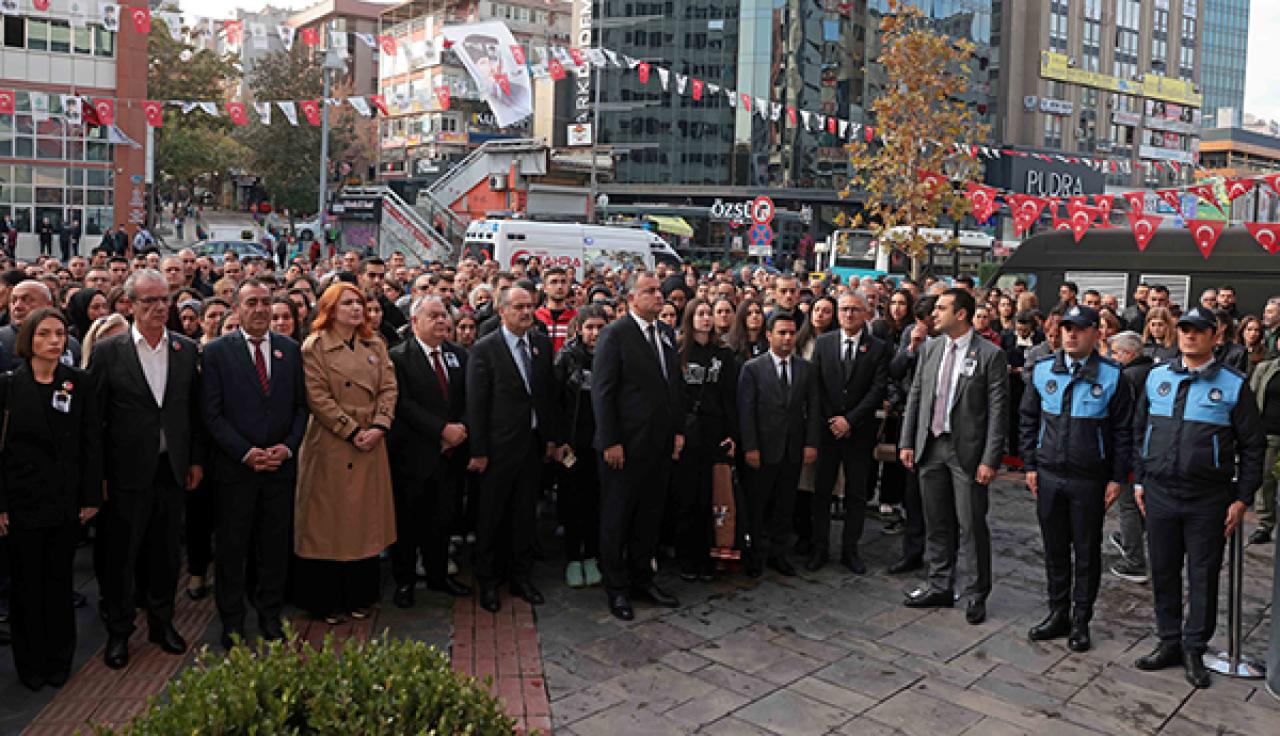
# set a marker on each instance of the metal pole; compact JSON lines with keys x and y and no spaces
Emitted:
{"x":324,"y":148}
{"x":595,"y":139}
{"x":1233,"y":662}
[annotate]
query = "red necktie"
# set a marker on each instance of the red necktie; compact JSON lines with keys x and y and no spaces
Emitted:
{"x":260,"y":362}
{"x":440,"y":374}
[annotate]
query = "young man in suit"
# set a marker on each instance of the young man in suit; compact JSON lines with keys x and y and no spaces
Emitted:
{"x":853,"y":377}
{"x":953,"y":430}
{"x":148,"y":385}
{"x":780,"y":415}
{"x":427,"y":449}
{"x":636,"y":390}
{"x":255,"y":406}
{"x":515,"y":423}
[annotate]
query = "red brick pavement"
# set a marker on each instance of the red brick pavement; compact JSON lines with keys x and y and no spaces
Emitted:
{"x":504,"y":646}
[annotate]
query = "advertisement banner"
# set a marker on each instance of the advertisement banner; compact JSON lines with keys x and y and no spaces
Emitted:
{"x":485,"y":50}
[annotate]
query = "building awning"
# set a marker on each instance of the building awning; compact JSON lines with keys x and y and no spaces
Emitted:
{"x":673,"y":225}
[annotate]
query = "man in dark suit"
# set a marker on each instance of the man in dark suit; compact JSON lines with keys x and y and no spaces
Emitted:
{"x":781,"y":424}
{"x":373,"y":273}
{"x":255,"y":406}
{"x":954,"y":429}
{"x":515,"y":428}
{"x":120,"y":242}
{"x":853,"y":377}
{"x":427,"y":449}
{"x":147,"y":383}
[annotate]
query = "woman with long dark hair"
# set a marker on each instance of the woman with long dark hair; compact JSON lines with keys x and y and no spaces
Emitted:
{"x":747,"y":337}
{"x":84,"y":307}
{"x":1249,"y":335}
{"x":286,"y":319}
{"x":822,"y":319}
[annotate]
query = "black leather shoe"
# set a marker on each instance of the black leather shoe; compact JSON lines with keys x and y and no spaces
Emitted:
{"x":1054,"y":626}
{"x":1197,"y":675}
{"x":451,"y":586}
{"x":489,"y":600}
{"x":529,"y":593}
{"x":116,"y":655}
{"x":4,"y":637}
{"x":168,"y":639}
{"x":1166,"y":655}
{"x":57,"y":679}
{"x":232,"y":638}
{"x":930,"y":598}
{"x":754,"y":566}
{"x":817,"y":560}
{"x":905,"y":565}
{"x":804,"y":547}
{"x":32,"y":683}
{"x":403,"y":597}
{"x":782,"y":565}
{"x":78,"y":600}
{"x":620,"y":607}
{"x":976,"y":612}
{"x":855,"y":565}
{"x":1260,"y":536}
{"x":1079,"y":640}
{"x":271,"y":630}
{"x":655,"y":595}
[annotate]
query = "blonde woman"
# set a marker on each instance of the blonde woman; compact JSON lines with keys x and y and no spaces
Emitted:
{"x":1160,"y":336}
{"x":102,"y":328}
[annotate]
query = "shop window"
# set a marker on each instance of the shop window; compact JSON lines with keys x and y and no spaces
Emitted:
{"x":37,"y":34}
{"x":15,"y":31}
{"x":60,"y":36}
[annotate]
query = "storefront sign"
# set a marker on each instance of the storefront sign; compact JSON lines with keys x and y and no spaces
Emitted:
{"x":1056,"y":107}
{"x":741,"y":211}
{"x":1041,"y":178}
{"x":582,"y":24}
{"x":1154,"y":86}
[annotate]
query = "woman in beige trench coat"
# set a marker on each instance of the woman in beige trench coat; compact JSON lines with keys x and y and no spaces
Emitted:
{"x":344,"y":514}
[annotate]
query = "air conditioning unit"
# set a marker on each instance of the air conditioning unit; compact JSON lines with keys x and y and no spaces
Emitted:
{"x":497,"y":182}
{"x":1071,"y":62}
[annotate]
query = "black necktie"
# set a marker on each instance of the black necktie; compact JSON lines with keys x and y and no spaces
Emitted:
{"x":847,"y":363}
{"x":785,"y":380}
{"x":657,"y":351}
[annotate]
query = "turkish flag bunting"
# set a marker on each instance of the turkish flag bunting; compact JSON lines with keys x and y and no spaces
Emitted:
{"x":310,"y":36}
{"x":831,"y":125}
{"x":643,"y":70}
{"x":106,"y":111}
{"x":517,"y":53}
{"x":1022,"y":222}
{"x":379,"y":102}
{"x":1206,"y":233}
{"x":1081,"y":219}
{"x":1171,"y":197}
{"x":1205,"y":192}
{"x":7,"y":104}
{"x":141,"y":18}
{"x":1029,"y":207}
{"x":1273,"y":181}
{"x":1137,"y":202}
{"x":311,"y":109}
{"x":870,"y":133}
{"x":236,"y":111}
{"x":1239,"y":187}
{"x":983,"y":200}
{"x":1105,"y":202}
{"x":154,"y":110}
{"x":746,"y":101}
{"x":578,"y":57}
{"x":234,"y":29}
{"x":932,"y":179}
{"x":1266,"y":233}
{"x":556,"y":69}
{"x":1061,"y":223}
{"x":1143,"y":227}
{"x":442,"y":94}
{"x":791,"y":115}
{"x":41,"y":5}
{"x":387,"y":44}
{"x":696,"y":87}
{"x":1077,"y":203}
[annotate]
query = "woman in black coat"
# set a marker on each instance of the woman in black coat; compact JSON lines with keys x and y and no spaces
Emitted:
{"x":50,"y":483}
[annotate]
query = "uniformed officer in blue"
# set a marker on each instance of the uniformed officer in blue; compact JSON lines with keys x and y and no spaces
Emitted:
{"x":1076,"y":433}
{"x":1200,"y":445}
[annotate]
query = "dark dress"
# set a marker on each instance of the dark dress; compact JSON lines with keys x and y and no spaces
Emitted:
{"x":579,"y":500}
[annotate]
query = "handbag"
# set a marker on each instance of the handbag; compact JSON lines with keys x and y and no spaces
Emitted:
{"x":723,"y":508}
{"x":885,"y":451}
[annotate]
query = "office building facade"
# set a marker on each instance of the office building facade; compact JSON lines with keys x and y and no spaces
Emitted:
{"x":1226,"y":53}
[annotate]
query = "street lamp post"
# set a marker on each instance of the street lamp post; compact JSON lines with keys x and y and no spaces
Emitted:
{"x":332,"y":61}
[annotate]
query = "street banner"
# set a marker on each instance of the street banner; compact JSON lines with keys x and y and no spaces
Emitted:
{"x":485,"y":50}
{"x":109,"y":16}
{"x":290,"y":111}
{"x":287,"y":34}
{"x":154,"y":110}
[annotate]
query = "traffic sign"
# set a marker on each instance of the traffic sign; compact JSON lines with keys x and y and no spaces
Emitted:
{"x":762,"y":210}
{"x":760,"y":234}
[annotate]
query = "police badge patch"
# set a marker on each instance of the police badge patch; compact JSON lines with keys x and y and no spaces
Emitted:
{"x":1096,"y":391}
{"x":1164,"y":388}
{"x":1051,"y":386}
{"x":1215,"y":394}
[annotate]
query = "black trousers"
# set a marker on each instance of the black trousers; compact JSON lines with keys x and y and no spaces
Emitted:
{"x":143,"y":524}
{"x":578,"y":506}
{"x":41,"y":619}
{"x":893,"y":476}
{"x":1071,"y":512}
{"x":694,"y":530}
{"x":506,"y":513}
{"x":773,"y":491}
{"x":322,"y":587}
{"x":856,"y":460}
{"x":1181,"y":530}
{"x":426,"y":511}
{"x":631,"y":506}
{"x":255,"y":529}
{"x":201,"y":516}
{"x":913,"y":533}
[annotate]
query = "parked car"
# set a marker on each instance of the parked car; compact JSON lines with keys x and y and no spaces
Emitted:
{"x":214,"y":250}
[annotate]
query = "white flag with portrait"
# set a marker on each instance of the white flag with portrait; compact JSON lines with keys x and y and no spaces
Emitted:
{"x":109,"y":16}
{"x":264,"y":112}
{"x":485,"y":50}
{"x":287,"y":34}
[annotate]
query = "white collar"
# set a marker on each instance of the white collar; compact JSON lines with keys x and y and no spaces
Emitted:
{"x":962,"y":342}
{"x":777,"y":360}
{"x":427,"y":349}
{"x":139,"y":338}
{"x":644,"y":324}
{"x":266,"y":337}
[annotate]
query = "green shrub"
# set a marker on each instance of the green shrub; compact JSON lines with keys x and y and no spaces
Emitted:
{"x":384,"y":686}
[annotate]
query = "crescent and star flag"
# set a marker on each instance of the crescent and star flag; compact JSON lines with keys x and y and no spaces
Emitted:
{"x":1206,"y":234}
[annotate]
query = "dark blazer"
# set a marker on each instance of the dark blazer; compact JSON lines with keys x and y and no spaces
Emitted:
{"x":635,"y":406}
{"x":858,"y":398}
{"x":498,"y":403}
{"x":421,"y":410}
{"x":132,"y":421}
{"x":51,"y":464}
{"x":779,"y":428}
{"x":239,"y":415}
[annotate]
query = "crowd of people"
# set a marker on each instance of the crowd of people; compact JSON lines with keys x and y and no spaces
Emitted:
{"x":281,"y":428}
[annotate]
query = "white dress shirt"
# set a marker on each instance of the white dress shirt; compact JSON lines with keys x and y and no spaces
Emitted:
{"x":155,"y":368}
{"x":957,"y":368}
{"x":845,"y":341}
{"x":266,"y":350}
{"x":437,"y":353}
{"x":513,"y":344}
{"x":791,"y":367}
{"x":644,"y":330}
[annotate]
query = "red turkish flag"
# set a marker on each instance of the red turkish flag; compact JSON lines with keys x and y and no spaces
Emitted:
{"x":1205,"y":192}
{"x":311,"y":109}
{"x":504,"y":82}
{"x":1081,"y":219}
{"x":310,"y":36}
{"x":1171,"y":197}
{"x":380,"y":103}
{"x":106,"y":111}
{"x":983,"y":200}
{"x":1061,"y":223}
{"x":696,"y":86}
{"x":236,"y":111}
{"x":831,"y":125}
{"x":1266,"y":233}
{"x":1105,"y":202}
{"x":1022,"y":223}
{"x":1273,"y":181}
{"x":442,"y":94}
{"x":1206,"y":233}
{"x":791,"y":115}
{"x":1144,"y":228}
{"x":7,"y":102}
{"x":388,"y":45}
{"x":932,"y":179}
{"x":746,"y":101}
{"x":869,"y":133}
{"x":642,"y":69}
{"x":141,"y":18}
{"x":556,"y":68}
{"x":578,"y":57}
{"x":1137,"y":201}
{"x":234,"y":29}
{"x":1239,"y":187}
{"x":517,"y":53}
{"x":1076,"y":203}
{"x":154,"y":110}
{"x":41,"y":5}
{"x":1028,"y":206}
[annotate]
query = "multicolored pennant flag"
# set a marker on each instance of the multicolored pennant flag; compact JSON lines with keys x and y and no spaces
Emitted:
{"x":1206,"y":234}
{"x":141,"y":18}
{"x":154,"y":110}
{"x":1143,"y":227}
{"x":1266,"y":233}
{"x":236,"y":111}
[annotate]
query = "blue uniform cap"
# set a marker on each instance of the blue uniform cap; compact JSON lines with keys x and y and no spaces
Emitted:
{"x":1199,"y":318}
{"x":1081,"y":316}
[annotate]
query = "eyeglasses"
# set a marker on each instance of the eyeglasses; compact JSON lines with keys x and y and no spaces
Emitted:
{"x":151,"y":301}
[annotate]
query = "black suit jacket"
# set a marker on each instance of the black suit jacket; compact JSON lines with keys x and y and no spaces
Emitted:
{"x":857,"y":398}
{"x":239,"y":415}
{"x":779,"y":427}
{"x":421,"y":410}
{"x":498,"y":404}
{"x":131,"y":419}
{"x":634,"y":405}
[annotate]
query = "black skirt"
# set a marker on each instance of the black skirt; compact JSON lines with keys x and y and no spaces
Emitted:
{"x":324,"y":587}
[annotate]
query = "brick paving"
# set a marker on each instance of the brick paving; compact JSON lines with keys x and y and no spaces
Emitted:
{"x":504,"y":647}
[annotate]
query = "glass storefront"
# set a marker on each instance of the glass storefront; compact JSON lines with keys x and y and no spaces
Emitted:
{"x":30,"y":193}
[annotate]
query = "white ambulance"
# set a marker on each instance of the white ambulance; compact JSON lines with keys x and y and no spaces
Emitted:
{"x":565,"y":244}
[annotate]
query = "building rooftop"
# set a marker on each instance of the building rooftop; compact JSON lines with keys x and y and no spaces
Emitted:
{"x":339,"y":8}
